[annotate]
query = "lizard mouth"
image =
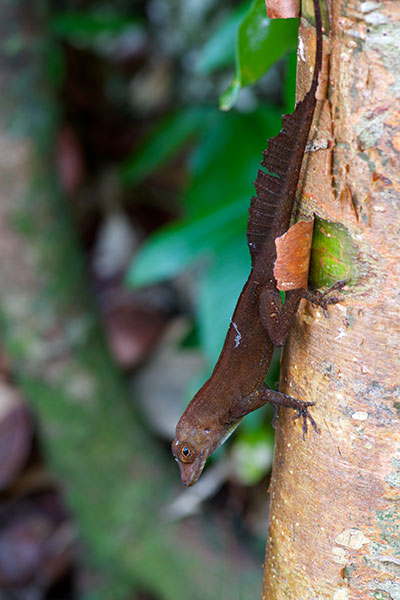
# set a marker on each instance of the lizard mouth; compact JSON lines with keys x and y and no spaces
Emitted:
{"x":191,"y":472}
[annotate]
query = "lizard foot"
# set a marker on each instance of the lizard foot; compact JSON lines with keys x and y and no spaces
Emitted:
{"x":278,"y":399}
{"x":302,"y":412}
{"x":323,"y":299}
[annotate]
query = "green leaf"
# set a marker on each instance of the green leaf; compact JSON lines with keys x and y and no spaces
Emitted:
{"x":218,"y":292}
{"x":166,"y":139}
{"x":87,"y":26}
{"x":228,"y":99}
{"x":252,"y":453}
{"x":225,"y":160}
{"x":219,"y":50}
{"x":177,"y":246}
{"x":260,"y":43}
{"x":333,"y":254}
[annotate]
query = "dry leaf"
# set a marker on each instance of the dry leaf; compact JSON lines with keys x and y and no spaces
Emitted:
{"x":293,"y":256}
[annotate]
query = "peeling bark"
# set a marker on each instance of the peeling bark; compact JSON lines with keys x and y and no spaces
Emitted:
{"x":335,"y":499}
{"x":282,"y":9}
{"x":293,"y":256}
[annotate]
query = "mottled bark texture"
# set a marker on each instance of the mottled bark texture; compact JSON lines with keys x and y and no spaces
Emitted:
{"x":335,"y":499}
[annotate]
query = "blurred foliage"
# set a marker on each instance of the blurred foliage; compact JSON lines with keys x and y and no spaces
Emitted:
{"x":84,"y":27}
{"x":114,"y":472}
{"x":111,"y":470}
{"x":253,"y":452}
{"x":260,"y":42}
{"x":219,"y":50}
{"x":167,"y":138}
{"x":221,"y":150}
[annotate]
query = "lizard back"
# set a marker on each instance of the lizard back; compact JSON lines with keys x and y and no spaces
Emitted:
{"x":270,"y":210}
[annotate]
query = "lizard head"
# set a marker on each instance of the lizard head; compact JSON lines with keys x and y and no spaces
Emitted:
{"x":194,"y":444}
{"x":190,"y":456}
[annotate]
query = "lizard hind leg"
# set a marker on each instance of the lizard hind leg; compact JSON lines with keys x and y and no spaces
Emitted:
{"x":277,"y":318}
{"x":324,"y":299}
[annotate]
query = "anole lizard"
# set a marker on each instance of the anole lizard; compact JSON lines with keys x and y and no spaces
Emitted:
{"x":260,"y":321}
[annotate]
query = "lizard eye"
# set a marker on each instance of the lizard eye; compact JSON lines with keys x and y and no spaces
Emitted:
{"x":186,"y":453}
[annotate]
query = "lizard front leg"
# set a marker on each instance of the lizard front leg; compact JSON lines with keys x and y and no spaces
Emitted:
{"x":244,"y":405}
{"x":277,"y":318}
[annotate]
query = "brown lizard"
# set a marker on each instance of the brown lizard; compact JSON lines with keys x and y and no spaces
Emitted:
{"x":260,"y":321}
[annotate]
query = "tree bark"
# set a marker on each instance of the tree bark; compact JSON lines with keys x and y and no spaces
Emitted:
{"x":335,"y":498}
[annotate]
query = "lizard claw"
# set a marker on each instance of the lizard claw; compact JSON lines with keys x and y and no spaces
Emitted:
{"x":278,"y":399}
{"x":323,"y":299}
{"x":302,"y":412}
{"x":338,"y":285}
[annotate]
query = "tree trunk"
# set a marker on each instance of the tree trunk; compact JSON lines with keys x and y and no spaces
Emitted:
{"x":335,"y":498}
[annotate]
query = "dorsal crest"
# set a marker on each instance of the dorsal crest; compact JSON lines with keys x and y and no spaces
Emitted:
{"x":272,"y":206}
